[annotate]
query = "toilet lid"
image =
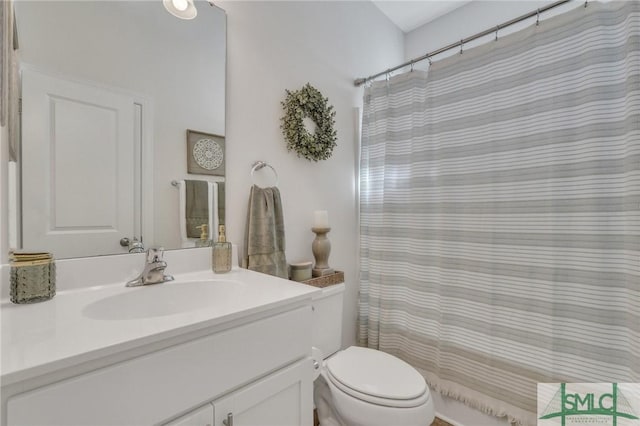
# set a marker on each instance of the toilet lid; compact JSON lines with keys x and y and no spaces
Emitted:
{"x":376,"y":373}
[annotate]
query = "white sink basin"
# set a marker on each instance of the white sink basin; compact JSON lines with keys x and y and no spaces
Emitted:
{"x":165,"y":299}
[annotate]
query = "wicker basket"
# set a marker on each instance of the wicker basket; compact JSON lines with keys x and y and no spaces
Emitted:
{"x":327,"y":280}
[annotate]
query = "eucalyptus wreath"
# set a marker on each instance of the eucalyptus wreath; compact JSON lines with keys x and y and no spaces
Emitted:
{"x":308,"y":102}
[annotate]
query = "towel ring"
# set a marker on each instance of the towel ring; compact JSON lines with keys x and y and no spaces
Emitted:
{"x":260,"y":165}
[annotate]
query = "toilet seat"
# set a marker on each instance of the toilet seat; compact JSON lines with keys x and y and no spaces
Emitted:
{"x":383,"y":402}
{"x":377,"y":377}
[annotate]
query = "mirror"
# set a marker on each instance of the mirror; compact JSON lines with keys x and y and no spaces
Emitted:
{"x":109,"y":90}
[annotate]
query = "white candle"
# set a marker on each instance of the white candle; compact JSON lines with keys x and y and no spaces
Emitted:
{"x":320,"y":219}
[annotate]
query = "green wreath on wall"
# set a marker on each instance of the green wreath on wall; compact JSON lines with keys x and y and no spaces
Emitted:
{"x":309,"y":102}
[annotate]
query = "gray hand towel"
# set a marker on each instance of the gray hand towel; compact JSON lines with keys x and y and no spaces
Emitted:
{"x":197,"y":206}
{"x":264,"y":234}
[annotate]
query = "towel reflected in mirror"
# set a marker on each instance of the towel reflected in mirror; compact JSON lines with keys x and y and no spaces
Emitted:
{"x":198,"y":206}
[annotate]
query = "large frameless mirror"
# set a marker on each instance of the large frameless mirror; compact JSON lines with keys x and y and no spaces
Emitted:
{"x":109,"y":90}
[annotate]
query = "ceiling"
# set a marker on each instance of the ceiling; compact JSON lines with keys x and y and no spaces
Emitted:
{"x":410,"y":14}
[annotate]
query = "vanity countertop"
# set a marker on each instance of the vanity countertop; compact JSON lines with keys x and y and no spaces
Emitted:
{"x":84,"y":324}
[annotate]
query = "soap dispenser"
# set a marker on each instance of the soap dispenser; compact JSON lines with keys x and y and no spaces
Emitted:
{"x":221,"y":261}
{"x":204,"y":240}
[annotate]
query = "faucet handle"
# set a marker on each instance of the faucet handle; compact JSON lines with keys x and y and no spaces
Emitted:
{"x":155,"y":254}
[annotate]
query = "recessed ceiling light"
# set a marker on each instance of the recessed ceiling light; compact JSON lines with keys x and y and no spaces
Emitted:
{"x":183,"y":9}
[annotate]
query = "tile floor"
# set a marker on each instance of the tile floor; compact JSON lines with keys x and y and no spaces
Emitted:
{"x":436,"y":422}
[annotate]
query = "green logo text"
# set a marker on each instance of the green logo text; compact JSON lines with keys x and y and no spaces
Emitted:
{"x":613,"y":404}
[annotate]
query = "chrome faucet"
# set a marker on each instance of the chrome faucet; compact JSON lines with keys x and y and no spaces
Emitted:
{"x":153,"y":272}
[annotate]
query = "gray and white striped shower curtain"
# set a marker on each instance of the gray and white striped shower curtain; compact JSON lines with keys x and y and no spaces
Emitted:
{"x":500,"y":212}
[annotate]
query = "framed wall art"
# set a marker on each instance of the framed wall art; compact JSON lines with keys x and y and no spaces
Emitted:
{"x":205,"y":153}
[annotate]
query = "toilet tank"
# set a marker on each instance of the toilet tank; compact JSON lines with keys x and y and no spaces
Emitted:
{"x":327,"y":319}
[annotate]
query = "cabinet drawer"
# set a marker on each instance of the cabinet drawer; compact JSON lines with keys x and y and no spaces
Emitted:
{"x":155,"y":387}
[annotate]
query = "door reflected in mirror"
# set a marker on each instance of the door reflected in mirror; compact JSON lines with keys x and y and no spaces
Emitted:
{"x":109,"y":90}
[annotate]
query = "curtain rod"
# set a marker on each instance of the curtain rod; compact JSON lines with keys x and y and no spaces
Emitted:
{"x":537,"y":12}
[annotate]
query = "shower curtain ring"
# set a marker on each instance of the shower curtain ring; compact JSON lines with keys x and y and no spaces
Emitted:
{"x":429,"y":59}
{"x":411,"y":66}
{"x":461,"y":45}
{"x":585,"y":3}
{"x":497,"y":28}
{"x":537,"y":17}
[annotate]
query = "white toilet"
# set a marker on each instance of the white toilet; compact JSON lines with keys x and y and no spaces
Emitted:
{"x":360,"y":386}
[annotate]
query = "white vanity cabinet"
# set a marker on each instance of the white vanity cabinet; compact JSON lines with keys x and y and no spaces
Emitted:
{"x":282,"y":399}
{"x":257,"y":369}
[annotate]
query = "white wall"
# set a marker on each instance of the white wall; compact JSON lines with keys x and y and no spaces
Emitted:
{"x":471,"y":19}
{"x":4,"y":199}
{"x":468,"y":20}
{"x":273,"y":46}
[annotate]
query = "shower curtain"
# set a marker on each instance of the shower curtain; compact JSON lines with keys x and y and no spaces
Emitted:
{"x":500,"y":212}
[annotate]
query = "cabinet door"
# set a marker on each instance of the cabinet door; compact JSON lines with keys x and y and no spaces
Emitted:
{"x":284,"y":398}
{"x":202,"y":416}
